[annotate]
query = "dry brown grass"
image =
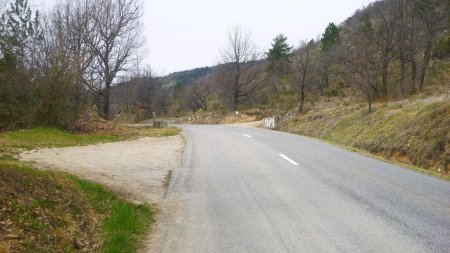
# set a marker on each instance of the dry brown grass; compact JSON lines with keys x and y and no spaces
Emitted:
{"x":214,"y":118}
{"x":44,"y":212}
{"x":411,"y":132}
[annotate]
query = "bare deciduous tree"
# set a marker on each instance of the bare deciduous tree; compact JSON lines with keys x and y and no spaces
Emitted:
{"x":388,"y":15}
{"x":361,"y":58}
{"x":164,"y":96}
{"x":239,"y":66}
{"x":303,"y":60}
{"x":114,"y":37}
{"x":432,"y":18}
{"x":402,"y":42}
{"x":147,"y":91}
{"x":69,"y":26}
{"x":198,"y":95}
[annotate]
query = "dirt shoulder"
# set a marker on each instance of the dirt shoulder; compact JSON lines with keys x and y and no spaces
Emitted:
{"x":135,"y":169}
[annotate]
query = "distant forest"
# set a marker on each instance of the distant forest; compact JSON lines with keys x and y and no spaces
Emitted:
{"x":390,"y":50}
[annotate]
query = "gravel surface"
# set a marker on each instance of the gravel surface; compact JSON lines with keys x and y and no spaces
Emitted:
{"x":135,"y":169}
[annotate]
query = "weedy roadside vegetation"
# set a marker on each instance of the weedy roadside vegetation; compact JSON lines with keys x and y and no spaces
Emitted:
{"x":411,"y":132}
{"x":47,"y":211}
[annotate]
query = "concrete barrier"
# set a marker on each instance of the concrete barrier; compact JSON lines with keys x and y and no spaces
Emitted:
{"x":270,"y":123}
{"x":162,"y":123}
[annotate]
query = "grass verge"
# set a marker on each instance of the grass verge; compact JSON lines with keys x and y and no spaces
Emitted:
{"x":125,"y":222}
{"x":52,"y":137}
{"x":44,"y":211}
{"x":415,"y":133}
{"x":158,"y":132}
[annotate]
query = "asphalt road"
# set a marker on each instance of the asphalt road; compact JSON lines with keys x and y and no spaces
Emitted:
{"x":256,"y":190}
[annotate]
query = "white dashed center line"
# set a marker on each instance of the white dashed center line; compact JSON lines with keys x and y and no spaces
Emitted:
{"x":288,"y":159}
{"x":246,"y":135}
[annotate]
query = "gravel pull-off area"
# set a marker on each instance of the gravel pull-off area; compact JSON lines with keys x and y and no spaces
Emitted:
{"x":136,"y":168}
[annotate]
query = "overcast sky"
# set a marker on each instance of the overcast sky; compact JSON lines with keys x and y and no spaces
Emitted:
{"x":183,"y":35}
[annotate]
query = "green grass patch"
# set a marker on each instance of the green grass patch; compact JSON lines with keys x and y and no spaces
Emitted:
{"x":158,"y":132}
{"x":170,"y":132}
{"x":41,"y":206}
{"x":50,"y":137}
{"x":126,"y":223}
{"x":43,"y":137}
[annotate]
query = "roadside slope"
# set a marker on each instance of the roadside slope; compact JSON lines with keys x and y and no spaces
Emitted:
{"x":415,"y":133}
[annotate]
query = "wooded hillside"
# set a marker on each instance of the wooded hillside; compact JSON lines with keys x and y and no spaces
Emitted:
{"x":85,"y":54}
{"x":390,"y":50}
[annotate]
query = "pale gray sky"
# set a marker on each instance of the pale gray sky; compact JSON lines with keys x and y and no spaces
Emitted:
{"x":187,"y":34}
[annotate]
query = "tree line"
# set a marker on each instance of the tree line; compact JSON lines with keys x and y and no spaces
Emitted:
{"x":86,"y":52}
{"x":55,"y":65}
{"x":385,"y":51}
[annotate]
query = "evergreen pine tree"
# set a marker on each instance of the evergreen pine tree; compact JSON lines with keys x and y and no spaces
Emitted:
{"x":330,"y":37}
{"x":278,"y":55}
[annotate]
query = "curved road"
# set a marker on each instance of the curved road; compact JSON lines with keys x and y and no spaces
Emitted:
{"x":256,"y":190}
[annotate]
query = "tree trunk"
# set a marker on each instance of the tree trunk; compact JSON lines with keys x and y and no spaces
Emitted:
{"x":302,"y":98}
{"x":385,"y":79}
{"x":106,"y":94}
{"x":402,"y":74}
{"x":326,"y":78}
{"x":321,"y":88}
{"x":413,"y":58}
{"x":402,"y":48}
{"x":235,"y":100}
{"x":375,"y":90}
{"x":426,"y":61}
{"x":413,"y":76}
{"x":369,"y":98}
